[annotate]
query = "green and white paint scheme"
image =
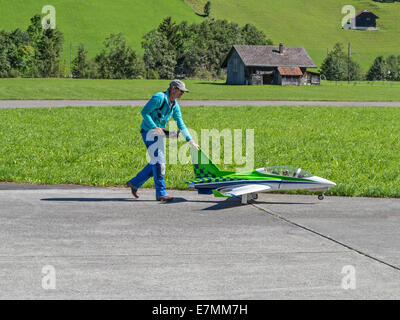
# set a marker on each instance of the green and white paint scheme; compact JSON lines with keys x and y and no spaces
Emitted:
{"x":209,"y":179}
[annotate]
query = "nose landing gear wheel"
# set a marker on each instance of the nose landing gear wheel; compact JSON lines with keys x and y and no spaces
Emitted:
{"x":321,"y":197}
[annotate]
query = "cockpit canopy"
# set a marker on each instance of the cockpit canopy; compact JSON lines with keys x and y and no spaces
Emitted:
{"x":286,"y":171}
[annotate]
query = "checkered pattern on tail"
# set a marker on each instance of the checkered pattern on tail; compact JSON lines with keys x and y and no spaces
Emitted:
{"x":202,"y":173}
{"x":202,"y":165}
{"x":217,"y":179}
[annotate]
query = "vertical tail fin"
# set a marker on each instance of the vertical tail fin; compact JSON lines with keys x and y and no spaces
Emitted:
{"x":202,"y":165}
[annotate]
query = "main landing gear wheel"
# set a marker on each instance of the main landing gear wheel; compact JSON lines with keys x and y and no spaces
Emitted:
{"x":321,"y":197}
{"x":247,"y":197}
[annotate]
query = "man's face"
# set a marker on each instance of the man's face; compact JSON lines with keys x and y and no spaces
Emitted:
{"x":177,"y":93}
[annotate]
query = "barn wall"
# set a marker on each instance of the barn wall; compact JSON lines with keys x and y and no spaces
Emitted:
{"x":235,"y":70}
{"x":277,"y":78}
{"x":366,"y":19}
{"x":291,"y":80}
{"x":256,"y":75}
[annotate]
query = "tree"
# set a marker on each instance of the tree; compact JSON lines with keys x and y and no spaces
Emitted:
{"x":355,"y":72}
{"x":159,"y":56}
{"x":378,"y":70}
{"x":16,"y":40}
{"x":171,"y":32}
{"x":12,"y":55}
{"x":188,"y":50}
{"x":27,"y":67}
{"x":47,"y":45}
{"x":397,"y":78}
{"x":48,"y":53}
{"x":393,"y":68}
{"x":80,"y":65}
{"x":118,"y":60}
{"x":338,"y":66}
{"x":5,"y":67}
{"x":211,"y":40}
{"x":207,"y":8}
{"x":334,"y":66}
{"x":252,"y":36}
{"x":35,"y":31}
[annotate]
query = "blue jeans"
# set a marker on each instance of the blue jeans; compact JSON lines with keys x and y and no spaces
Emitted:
{"x":156,"y":167}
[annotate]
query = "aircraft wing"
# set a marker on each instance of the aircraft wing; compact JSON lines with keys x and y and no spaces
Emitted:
{"x":243,"y":189}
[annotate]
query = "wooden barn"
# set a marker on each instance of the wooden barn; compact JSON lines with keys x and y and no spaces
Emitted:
{"x":268,"y":65}
{"x":364,"y":20}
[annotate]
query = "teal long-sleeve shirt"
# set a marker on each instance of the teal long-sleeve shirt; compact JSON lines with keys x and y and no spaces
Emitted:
{"x":158,"y":111}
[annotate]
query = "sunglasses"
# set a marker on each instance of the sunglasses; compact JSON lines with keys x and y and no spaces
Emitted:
{"x":179,"y":90}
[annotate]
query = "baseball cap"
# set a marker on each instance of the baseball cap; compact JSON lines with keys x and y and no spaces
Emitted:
{"x":179,"y":84}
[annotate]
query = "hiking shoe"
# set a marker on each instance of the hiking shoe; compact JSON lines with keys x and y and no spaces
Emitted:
{"x":133,"y":190}
{"x":165,"y":198}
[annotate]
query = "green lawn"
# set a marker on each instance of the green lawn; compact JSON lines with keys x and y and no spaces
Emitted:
{"x":201,"y":90}
{"x":355,"y":147}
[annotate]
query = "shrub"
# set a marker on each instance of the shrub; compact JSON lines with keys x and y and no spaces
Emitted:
{"x":337,"y":66}
{"x":80,"y":65}
{"x":118,"y":60}
{"x":378,"y":69}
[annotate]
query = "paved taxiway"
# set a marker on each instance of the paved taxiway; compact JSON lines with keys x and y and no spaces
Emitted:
{"x":100,"y":243}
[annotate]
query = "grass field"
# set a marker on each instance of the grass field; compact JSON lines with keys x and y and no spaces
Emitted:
{"x":90,"y":22}
{"x":355,"y":147}
{"x":314,"y":24}
{"x":202,"y":90}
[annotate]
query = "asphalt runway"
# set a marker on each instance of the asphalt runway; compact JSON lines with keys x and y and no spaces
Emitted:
{"x":67,"y":242}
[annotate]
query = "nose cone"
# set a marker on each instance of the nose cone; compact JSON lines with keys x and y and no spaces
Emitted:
{"x":323,"y":181}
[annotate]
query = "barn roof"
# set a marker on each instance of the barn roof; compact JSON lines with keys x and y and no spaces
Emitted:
{"x":294,"y":71}
{"x":269,"y":56}
{"x":365,"y":11}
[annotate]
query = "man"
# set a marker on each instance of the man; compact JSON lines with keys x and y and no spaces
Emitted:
{"x":156,"y":114}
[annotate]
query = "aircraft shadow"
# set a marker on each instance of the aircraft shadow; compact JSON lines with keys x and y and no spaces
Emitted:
{"x":218,"y":205}
{"x":270,"y":202}
{"x":236,"y":202}
{"x":227,"y":204}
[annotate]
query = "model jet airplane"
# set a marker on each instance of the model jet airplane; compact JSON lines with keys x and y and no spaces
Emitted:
{"x":210,"y":179}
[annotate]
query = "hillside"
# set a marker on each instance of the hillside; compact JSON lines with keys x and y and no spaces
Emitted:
{"x":90,"y":21}
{"x":314,"y":24}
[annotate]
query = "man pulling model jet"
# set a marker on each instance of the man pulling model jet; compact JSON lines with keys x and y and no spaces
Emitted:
{"x":156,"y":113}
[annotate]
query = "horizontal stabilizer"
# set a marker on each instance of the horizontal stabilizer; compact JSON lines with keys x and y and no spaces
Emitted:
{"x":219,"y":194}
{"x":243,"y":189}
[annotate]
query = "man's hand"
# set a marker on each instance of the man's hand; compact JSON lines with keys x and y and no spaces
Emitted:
{"x":158,"y":131}
{"x":194,"y":145}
